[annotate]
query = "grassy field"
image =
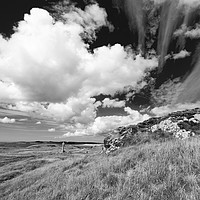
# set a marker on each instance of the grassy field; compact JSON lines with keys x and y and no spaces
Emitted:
{"x":155,"y":171}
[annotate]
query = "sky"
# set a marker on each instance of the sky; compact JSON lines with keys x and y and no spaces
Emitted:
{"x":76,"y":70}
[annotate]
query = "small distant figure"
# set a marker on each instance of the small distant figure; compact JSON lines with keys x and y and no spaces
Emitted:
{"x":63,"y":147}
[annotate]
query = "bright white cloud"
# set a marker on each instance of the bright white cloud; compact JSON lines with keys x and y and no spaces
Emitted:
{"x":38,"y":123}
{"x":111,"y":68}
{"x":27,"y":106}
{"x":181,"y":54}
{"x":188,"y":32}
{"x":9,"y":91}
{"x":52,"y":130}
{"x":91,"y":19}
{"x":74,"y":110}
{"x":113,"y":103}
{"x":7,"y":120}
{"x":48,"y":61}
{"x":180,"y":31}
{"x":107,"y":123}
{"x":104,"y":124}
{"x":194,"y":33}
{"x":69,"y":134}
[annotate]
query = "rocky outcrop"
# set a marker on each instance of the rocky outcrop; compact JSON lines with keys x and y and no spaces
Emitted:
{"x":181,"y":125}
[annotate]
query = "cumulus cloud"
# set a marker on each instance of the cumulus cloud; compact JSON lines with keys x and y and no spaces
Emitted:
{"x":79,"y":132}
{"x":9,"y":91}
{"x":47,"y":65}
{"x":102,"y":125}
{"x":181,"y":30}
{"x":52,"y":130}
{"x":91,"y":19}
{"x":38,"y":123}
{"x":181,"y":54}
{"x":7,"y":120}
{"x":188,"y":32}
{"x":113,"y":103}
{"x":48,"y":61}
{"x":112,"y":68}
{"x":74,"y":110}
{"x":194,"y":33}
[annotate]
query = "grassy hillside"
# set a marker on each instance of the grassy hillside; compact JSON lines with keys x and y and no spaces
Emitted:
{"x":168,"y":170}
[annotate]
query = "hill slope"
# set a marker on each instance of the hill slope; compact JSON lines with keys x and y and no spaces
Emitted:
{"x":168,"y":170}
{"x":154,"y":163}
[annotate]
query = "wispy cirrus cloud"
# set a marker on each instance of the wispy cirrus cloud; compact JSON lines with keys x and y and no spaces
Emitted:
{"x":164,"y":110}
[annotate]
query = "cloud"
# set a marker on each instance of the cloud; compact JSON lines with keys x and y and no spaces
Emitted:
{"x":47,"y":69}
{"x":181,"y":30}
{"x":191,"y":3}
{"x":74,"y":110}
{"x":188,"y":32}
{"x":181,"y":54}
{"x":81,"y":114}
{"x":9,"y":91}
{"x":91,"y":19}
{"x":52,"y":130}
{"x":23,"y":120}
{"x":102,"y":125}
{"x":38,"y":123}
{"x":113,"y":103}
{"x":76,"y":133}
{"x":49,"y":61}
{"x":167,"y":93}
{"x":164,"y":110}
{"x":159,"y":1}
{"x":7,"y":120}
{"x":28,"y":107}
{"x":194,"y":33}
{"x":112,"y":68}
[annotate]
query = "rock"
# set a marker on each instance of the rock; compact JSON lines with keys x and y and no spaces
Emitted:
{"x":197,"y":117}
{"x":63,"y":147}
{"x":180,"y":124}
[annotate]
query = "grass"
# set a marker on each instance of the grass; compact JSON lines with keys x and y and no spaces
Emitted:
{"x":156,"y":171}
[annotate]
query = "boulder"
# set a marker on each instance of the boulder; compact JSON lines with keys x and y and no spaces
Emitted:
{"x":180,"y":124}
